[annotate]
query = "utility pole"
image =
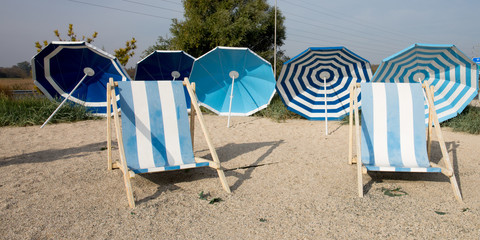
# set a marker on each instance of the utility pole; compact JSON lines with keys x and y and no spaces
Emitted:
{"x":275,"y":45}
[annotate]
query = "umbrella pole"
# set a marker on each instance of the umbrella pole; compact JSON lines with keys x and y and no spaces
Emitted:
{"x":230,"y":107}
{"x":326,"y":112}
{"x":64,"y":100}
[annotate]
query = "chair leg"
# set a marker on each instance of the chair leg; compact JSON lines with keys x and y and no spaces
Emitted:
{"x":360,"y":179}
{"x":128,"y":188}
{"x":223,"y":180}
{"x":455,"y":188}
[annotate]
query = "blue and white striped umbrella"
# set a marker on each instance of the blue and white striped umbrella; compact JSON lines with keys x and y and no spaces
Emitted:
{"x":233,"y":81}
{"x":315,"y":83}
{"x":62,"y":66}
{"x":452,"y":74}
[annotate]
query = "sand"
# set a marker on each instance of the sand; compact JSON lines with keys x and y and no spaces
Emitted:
{"x":288,"y":181}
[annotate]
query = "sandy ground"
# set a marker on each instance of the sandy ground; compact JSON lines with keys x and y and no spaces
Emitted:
{"x":288,"y":181}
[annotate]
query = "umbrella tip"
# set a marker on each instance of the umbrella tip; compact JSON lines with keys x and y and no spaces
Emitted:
{"x":233,"y":74}
{"x":88,"y":71}
{"x":175,"y":75}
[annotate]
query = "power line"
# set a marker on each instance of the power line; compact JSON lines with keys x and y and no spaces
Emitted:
{"x":335,"y":30}
{"x":373,"y":50}
{"x":343,"y":27}
{"x":119,"y":9}
{"x":340,"y":15}
{"x":174,"y":2}
{"x":149,"y":5}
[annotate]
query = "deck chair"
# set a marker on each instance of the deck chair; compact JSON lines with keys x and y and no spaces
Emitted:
{"x":155,"y":134}
{"x":393,"y":137}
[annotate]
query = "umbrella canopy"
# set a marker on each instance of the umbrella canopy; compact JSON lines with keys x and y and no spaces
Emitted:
{"x":253,"y":81}
{"x":60,"y":66}
{"x":452,"y":74}
{"x":164,"y":65}
{"x":315,"y":83}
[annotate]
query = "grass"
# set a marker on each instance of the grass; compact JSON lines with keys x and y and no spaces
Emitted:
{"x":277,"y":111}
{"x":31,"y":110}
{"x":16,"y":84}
{"x":468,"y":121}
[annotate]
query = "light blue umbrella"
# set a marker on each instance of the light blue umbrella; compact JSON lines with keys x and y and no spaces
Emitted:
{"x":316,"y":83}
{"x":166,"y":65}
{"x":77,"y":71}
{"x":233,"y":81}
{"x":453,"y":75}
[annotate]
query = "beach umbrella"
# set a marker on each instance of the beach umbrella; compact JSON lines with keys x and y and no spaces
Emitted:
{"x":77,"y":71}
{"x":233,"y":81}
{"x":316,"y":83}
{"x":165,"y":65}
{"x":453,"y":75}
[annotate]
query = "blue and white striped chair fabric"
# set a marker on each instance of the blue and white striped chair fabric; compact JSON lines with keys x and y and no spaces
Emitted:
{"x":155,"y":126}
{"x":393,"y":128}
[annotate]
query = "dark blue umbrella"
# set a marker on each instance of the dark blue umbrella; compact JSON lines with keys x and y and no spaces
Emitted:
{"x":165,"y":65}
{"x":79,"y":69}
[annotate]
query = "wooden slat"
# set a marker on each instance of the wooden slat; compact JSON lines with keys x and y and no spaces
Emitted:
{"x":359,"y":154}
{"x":211,"y":163}
{"x":443,"y":147}
{"x":350,"y":127}
{"x":213,"y":152}
{"x":109,"y":128}
{"x":123,"y":163}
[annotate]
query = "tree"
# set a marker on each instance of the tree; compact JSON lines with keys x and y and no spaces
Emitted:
{"x":234,"y":23}
{"x":163,"y":43}
{"x":124,"y":54}
{"x":25,"y":66}
{"x":71,"y":37}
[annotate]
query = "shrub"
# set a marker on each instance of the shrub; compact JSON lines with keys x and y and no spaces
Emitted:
{"x":467,"y":121}
{"x":277,"y":111}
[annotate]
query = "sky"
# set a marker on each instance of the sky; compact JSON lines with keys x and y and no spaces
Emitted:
{"x":373,"y":29}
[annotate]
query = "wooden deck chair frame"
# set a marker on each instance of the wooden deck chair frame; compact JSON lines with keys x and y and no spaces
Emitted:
{"x":121,"y":164}
{"x":433,"y":122}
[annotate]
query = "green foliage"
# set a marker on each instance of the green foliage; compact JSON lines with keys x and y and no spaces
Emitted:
{"x":124,"y":54}
{"x":215,"y":200}
{"x":393,"y":192}
{"x":162,"y":43}
{"x":467,"y":121}
{"x":440,"y":213}
{"x":233,"y":23}
{"x":33,"y":110}
{"x":14,"y":72}
{"x":204,"y":196}
{"x":71,"y":37}
{"x":25,"y":66}
{"x":277,"y":111}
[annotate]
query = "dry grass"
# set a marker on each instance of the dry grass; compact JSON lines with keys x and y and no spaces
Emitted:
{"x":16,"y":84}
